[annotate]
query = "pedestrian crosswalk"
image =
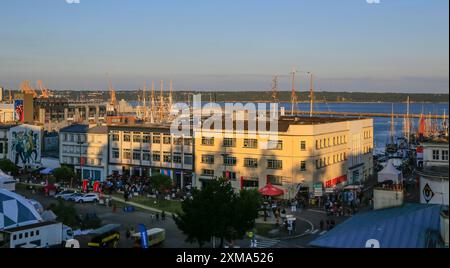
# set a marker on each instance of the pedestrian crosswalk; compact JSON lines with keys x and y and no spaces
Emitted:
{"x":266,"y":243}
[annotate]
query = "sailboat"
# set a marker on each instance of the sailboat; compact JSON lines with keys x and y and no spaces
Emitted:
{"x":392,"y":147}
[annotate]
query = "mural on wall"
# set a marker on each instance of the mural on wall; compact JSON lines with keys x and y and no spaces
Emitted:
{"x":25,"y":147}
{"x":18,"y":110}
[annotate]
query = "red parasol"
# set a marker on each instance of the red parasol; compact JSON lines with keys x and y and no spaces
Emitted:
{"x":270,"y":190}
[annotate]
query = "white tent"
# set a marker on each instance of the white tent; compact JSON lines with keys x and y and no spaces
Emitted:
{"x":390,"y":173}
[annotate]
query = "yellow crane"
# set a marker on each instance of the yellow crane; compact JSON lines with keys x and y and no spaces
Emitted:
{"x":27,"y":89}
{"x":45,"y":93}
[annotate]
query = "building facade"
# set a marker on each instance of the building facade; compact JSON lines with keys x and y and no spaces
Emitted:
{"x":85,"y":149}
{"x":146,"y":149}
{"x":332,"y":152}
{"x":434,"y":180}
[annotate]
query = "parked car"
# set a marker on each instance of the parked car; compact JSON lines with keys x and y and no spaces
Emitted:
{"x":72,"y":197}
{"x":64,"y":194}
{"x":86,"y":198}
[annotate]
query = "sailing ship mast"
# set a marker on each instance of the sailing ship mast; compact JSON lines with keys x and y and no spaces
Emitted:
{"x":392,"y":130}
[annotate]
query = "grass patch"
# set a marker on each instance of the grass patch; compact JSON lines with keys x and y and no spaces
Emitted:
{"x":165,"y":205}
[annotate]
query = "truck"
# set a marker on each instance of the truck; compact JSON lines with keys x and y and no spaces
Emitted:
{"x":39,"y":235}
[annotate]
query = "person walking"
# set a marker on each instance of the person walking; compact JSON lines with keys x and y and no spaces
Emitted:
{"x":321,"y":224}
{"x":157,"y":217}
{"x":327,"y":226}
{"x":163,"y":215}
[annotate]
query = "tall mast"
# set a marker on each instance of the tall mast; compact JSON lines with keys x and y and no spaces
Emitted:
{"x":293,"y":94}
{"x":311,"y":96}
{"x":161,"y":101}
{"x":275,"y":88}
{"x":144,"y":103}
{"x":392,"y":125}
{"x":170,"y":96}
{"x":152,"y":117}
{"x":408,"y":122}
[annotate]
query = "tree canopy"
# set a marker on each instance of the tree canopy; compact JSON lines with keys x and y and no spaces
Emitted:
{"x":161,"y":182}
{"x":64,"y":173}
{"x":218,"y":211}
{"x":8,"y":166}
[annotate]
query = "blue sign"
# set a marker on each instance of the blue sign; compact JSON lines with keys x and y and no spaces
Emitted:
{"x":144,"y":236}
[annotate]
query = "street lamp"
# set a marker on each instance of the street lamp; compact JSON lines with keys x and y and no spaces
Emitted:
{"x":80,"y":143}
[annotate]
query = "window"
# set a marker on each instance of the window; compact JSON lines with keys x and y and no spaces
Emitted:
{"x":146,"y":155}
{"x":303,"y":166}
{"x":251,"y":183}
{"x":37,"y":232}
{"x":156,"y":156}
{"x":274,"y":164}
{"x":230,"y":175}
{"x":435,"y":154}
{"x":32,"y":233}
{"x":229,"y":160}
{"x":167,"y":139}
{"x":167,"y":157}
{"x":187,"y":141}
{"x":136,"y":138}
{"x":445,"y":155}
{"x":188,"y":159}
{"x":317,"y":144}
{"x":156,"y":139}
{"x":275,"y":180}
{"x":250,"y":143}
{"x":251,"y":162}
{"x":303,"y":146}
{"x":136,"y":155}
{"x":146,"y":138}
{"x":207,"y":172}
{"x":126,"y":154}
{"x":207,"y":159}
{"x":20,"y":236}
{"x":177,"y":158}
{"x":115,"y":137}
{"x":177,"y":141}
{"x":126,"y":137}
{"x":209,"y":141}
{"x":334,"y":141}
{"x":229,"y":142}
{"x":276,"y":145}
{"x":115,"y":153}
{"x":317,"y":164}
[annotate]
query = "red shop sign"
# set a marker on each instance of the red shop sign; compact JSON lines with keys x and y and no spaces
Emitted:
{"x":335,"y":181}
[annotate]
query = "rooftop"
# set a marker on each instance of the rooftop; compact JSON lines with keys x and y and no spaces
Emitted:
{"x":85,"y":129}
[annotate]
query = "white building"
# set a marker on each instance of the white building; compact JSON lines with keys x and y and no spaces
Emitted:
{"x":24,"y":145}
{"x":4,"y":130}
{"x":146,"y":149}
{"x":434,"y":176}
{"x":88,"y":146}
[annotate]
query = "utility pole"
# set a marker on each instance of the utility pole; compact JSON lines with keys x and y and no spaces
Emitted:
{"x":293,"y":94}
{"x":311,"y":96}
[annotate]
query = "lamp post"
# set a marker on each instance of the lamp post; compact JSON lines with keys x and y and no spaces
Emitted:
{"x":80,"y":143}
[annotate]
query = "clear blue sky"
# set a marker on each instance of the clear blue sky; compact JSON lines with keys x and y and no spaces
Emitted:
{"x":394,"y":46}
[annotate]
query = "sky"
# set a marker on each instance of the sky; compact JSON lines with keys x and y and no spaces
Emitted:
{"x":350,"y":45}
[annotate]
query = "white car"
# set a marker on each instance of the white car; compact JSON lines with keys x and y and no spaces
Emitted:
{"x":86,"y":198}
{"x":64,"y":194}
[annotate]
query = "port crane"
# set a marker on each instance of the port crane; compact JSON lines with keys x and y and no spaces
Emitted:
{"x":26,"y":88}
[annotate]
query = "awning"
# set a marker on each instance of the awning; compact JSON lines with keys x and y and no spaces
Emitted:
{"x":270,"y":190}
{"x":46,"y":171}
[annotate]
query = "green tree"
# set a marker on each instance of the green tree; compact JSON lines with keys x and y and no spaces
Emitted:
{"x":63,"y":173}
{"x":66,"y":213}
{"x":217,"y":211}
{"x":161,"y":182}
{"x":8,"y":166}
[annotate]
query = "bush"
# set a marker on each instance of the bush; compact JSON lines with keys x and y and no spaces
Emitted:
{"x":7,"y":166}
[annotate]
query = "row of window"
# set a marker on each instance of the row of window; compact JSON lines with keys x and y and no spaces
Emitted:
{"x":155,"y":139}
{"x":367,"y":149}
{"x":367,"y":134}
{"x":437,"y":156}
{"x":69,"y":160}
{"x":69,"y":137}
{"x":326,"y":161}
{"x":329,"y":142}
{"x":25,"y":235}
{"x":250,"y":183}
{"x":74,"y":149}
{"x":249,"y":143}
{"x":155,"y":156}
